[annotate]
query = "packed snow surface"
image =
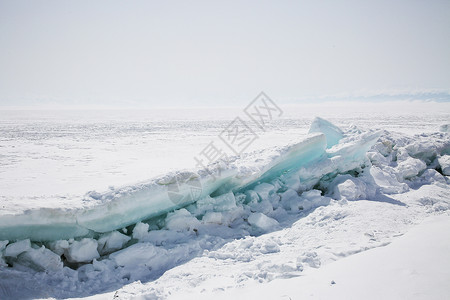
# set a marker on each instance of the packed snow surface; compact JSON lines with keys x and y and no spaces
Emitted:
{"x":273,"y":213}
{"x":412,"y":267}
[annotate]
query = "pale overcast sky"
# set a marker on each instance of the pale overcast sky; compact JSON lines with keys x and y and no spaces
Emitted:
{"x":169,"y":53}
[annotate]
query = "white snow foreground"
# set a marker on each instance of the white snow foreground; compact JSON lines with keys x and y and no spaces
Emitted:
{"x":409,"y":268}
{"x":262,"y":216}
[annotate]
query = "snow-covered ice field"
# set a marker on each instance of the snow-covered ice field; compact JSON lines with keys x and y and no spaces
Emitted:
{"x":86,"y":208}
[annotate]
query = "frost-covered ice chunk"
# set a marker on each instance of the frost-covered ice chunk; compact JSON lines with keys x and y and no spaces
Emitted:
{"x":82,"y":251}
{"x":430,"y":176}
{"x":444,"y":162}
{"x":290,"y":200}
{"x":309,"y":176}
{"x":140,"y":231}
{"x":204,"y":204}
{"x":312,"y":194}
{"x":308,"y":200}
{"x":293,"y":182}
{"x":3,"y":245}
{"x":384,"y":146}
{"x":353,"y":188}
{"x":251,"y":197}
{"x":262,"y":221}
{"x":59,"y":246}
{"x":40,"y":259}
{"x":409,"y":168}
{"x":264,"y":207}
{"x":212,"y":217}
{"x":427,"y":147}
{"x":14,"y":249}
{"x":240,"y":198}
{"x":181,"y":220}
{"x":402,"y":154}
{"x":224,"y":202}
{"x":112,"y":241}
{"x":137,"y":254}
{"x":350,"y":189}
{"x":377,"y":159}
{"x":387,"y":180}
{"x":232,"y":215}
{"x":351,"y":152}
{"x":220,"y":203}
{"x":312,"y":199}
{"x":332,"y":133}
{"x":164,"y":237}
{"x":266,"y":191}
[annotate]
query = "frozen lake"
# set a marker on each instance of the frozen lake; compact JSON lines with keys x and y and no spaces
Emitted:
{"x":272,"y":214}
{"x":53,"y":157}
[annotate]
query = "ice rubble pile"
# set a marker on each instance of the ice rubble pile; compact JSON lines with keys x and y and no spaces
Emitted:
{"x":251,"y":195}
